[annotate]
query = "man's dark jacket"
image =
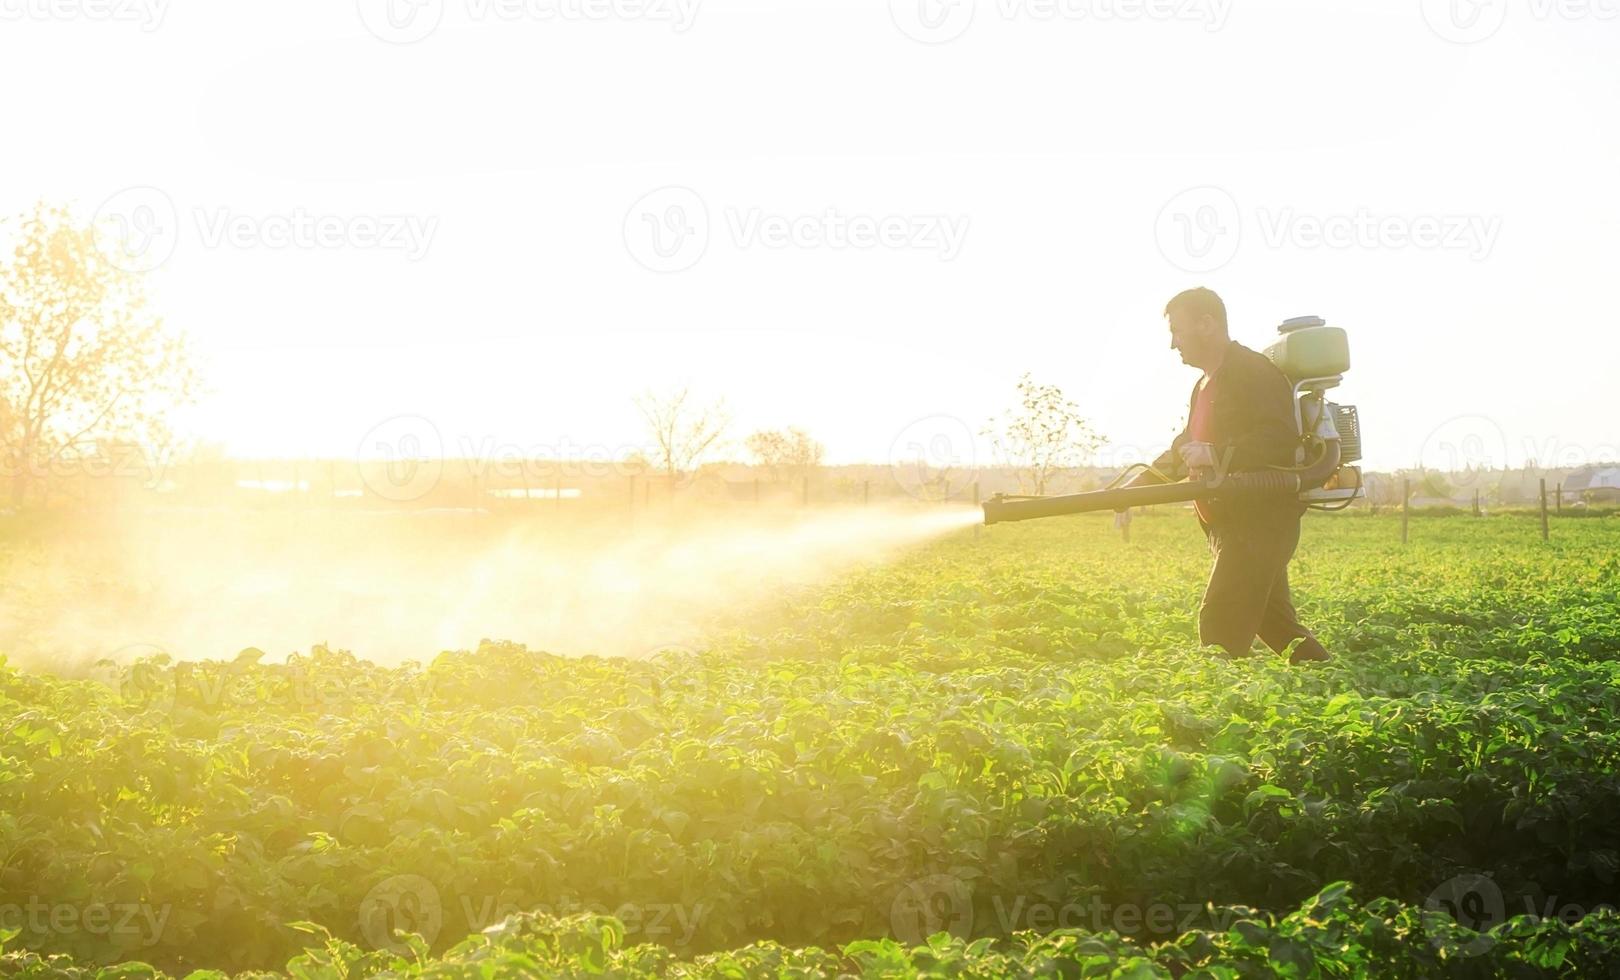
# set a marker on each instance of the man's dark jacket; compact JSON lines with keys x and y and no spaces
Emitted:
{"x":1252,"y":418}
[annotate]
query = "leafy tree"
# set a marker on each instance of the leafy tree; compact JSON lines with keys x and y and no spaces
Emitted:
{"x":682,"y":430}
{"x":1043,"y":437}
{"x":83,"y":364}
{"x":1434,"y":483}
{"x":788,"y":454}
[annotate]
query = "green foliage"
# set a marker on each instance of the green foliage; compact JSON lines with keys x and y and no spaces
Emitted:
{"x":993,"y":759}
{"x":1328,"y":936}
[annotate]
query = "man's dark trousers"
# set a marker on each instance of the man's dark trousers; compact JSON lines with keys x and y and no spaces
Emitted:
{"x":1247,"y":595}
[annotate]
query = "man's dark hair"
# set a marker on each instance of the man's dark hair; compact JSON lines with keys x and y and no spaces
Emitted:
{"x":1197,"y":302}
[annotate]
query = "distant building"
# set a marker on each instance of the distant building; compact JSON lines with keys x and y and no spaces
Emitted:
{"x":1594,"y":486}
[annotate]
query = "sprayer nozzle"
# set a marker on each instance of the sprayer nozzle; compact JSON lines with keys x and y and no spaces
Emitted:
{"x":993,"y":509}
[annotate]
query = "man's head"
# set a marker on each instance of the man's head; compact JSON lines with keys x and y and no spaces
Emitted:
{"x":1197,"y":320}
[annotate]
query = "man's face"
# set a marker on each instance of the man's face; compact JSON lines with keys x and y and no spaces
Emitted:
{"x":1189,"y":336}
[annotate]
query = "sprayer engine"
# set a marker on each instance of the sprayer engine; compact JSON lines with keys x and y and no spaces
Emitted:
{"x":1314,"y":357}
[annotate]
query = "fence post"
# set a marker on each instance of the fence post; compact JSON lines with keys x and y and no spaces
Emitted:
{"x":1406,"y":508}
{"x":1543,"y":508}
{"x":979,"y":527}
{"x":1476,"y":503}
{"x":1560,"y":497}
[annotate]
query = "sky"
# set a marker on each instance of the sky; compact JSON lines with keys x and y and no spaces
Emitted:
{"x":494,"y":222}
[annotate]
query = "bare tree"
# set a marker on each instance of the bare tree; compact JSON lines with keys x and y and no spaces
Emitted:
{"x":682,"y":430}
{"x":82,"y":362}
{"x":788,"y":454}
{"x":1042,"y":438}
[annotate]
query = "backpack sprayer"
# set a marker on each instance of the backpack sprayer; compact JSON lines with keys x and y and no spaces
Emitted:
{"x":1314,"y":357}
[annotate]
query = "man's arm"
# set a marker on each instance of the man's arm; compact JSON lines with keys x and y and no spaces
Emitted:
{"x":1168,"y":462}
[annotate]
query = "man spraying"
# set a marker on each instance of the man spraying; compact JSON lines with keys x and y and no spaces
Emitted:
{"x":1241,"y":419}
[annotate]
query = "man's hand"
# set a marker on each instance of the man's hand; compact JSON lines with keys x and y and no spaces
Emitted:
{"x":1199,"y":456}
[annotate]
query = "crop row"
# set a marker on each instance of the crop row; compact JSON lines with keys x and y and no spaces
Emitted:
{"x":1330,"y":935}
